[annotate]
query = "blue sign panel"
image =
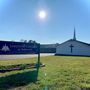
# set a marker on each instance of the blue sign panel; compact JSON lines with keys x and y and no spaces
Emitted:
{"x":10,"y":47}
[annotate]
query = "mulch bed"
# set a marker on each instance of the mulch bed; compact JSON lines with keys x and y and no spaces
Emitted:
{"x":9,"y":68}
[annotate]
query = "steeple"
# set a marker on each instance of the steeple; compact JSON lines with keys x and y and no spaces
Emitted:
{"x":74,"y":36}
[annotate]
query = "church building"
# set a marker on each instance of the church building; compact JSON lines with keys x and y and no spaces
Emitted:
{"x":73,"y":47}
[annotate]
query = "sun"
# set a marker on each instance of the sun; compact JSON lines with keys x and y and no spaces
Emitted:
{"x":42,"y":14}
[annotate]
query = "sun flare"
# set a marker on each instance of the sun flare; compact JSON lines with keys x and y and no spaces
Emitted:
{"x":42,"y":14}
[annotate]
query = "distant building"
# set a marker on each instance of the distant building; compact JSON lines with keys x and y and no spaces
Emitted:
{"x":73,"y":47}
{"x":48,"y":48}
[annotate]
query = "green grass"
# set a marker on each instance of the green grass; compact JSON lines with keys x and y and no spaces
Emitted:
{"x":62,"y":73}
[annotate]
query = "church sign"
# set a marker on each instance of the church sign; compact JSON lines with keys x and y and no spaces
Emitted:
{"x":10,"y":47}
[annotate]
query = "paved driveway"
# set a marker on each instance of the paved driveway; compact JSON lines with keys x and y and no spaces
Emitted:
{"x":10,"y":57}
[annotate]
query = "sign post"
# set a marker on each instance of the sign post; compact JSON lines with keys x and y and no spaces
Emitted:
{"x":38,"y":62}
{"x":38,"y":55}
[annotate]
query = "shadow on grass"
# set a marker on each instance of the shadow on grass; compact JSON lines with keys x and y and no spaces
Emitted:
{"x":19,"y":79}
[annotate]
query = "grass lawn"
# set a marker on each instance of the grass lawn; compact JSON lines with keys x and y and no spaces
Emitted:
{"x":60,"y":73}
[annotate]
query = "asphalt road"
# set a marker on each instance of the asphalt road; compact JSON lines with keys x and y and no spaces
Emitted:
{"x":12,"y":57}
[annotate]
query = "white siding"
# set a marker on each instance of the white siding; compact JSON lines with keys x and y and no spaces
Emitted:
{"x":78,"y":49}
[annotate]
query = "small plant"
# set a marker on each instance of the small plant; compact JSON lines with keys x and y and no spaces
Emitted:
{"x":23,"y":66}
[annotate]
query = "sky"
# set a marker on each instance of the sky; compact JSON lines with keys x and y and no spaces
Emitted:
{"x":19,"y":20}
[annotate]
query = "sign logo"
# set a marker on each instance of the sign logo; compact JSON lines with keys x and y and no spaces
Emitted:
{"x":5,"y":48}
